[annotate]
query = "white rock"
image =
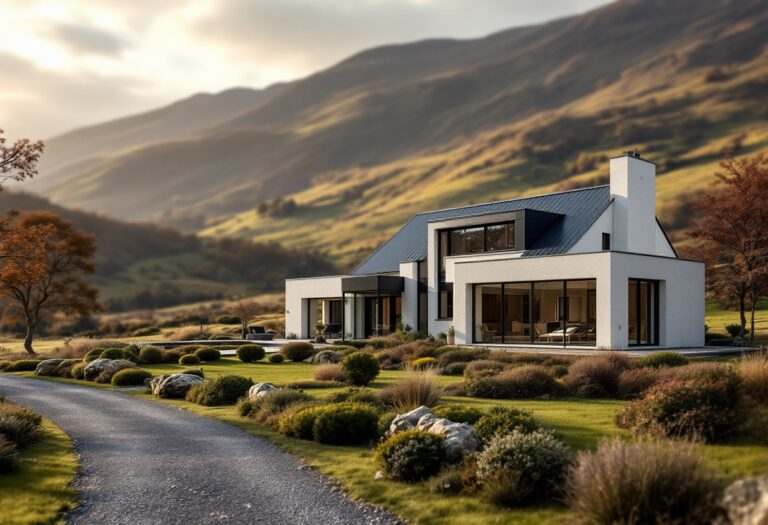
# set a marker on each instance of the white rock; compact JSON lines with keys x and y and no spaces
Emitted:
{"x":96,"y":367}
{"x":746,"y":501}
{"x":460,"y":438}
{"x":46,"y":368}
{"x":379,"y":475}
{"x":260,"y":389}
{"x":408,"y":420}
{"x":174,"y":385}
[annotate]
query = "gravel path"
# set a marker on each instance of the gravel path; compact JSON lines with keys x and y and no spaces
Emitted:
{"x":147,"y":463}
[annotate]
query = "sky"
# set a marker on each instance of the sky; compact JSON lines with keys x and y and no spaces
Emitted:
{"x":69,"y":63}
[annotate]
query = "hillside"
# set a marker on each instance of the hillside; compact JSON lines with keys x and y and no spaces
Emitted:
{"x":144,"y":266}
{"x":394,"y":130}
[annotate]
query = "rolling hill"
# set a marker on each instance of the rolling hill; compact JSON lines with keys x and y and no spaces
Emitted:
{"x":390,"y":131}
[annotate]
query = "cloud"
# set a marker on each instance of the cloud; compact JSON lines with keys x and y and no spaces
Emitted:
{"x":84,"y":39}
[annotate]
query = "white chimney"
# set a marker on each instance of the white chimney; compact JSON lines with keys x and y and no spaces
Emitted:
{"x":633,"y":189}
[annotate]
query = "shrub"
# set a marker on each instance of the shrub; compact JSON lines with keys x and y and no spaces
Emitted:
{"x":518,"y":468}
{"x":660,"y":359}
{"x":706,"y":405}
{"x":414,"y":390}
{"x":189,"y":359}
{"x":459,"y":413}
{"x":412,"y":455}
{"x":454,"y":369}
{"x":8,"y":455}
{"x":385,"y":421}
{"x":227,"y":319}
{"x":18,"y":429}
{"x":602,"y":370}
{"x":4,"y":365}
{"x":297,"y":351}
{"x":356,"y":395}
{"x":151,"y":355}
{"x":171,"y":355}
{"x":461,"y":355}
{"x":642,"y":482}
{"x":482,"y":367}
{"x":131,"y":376}
{"x":224,"y":390}
{"x":346,"y":424}
{"x":187,"y":349}
{"x":360,"y":368}
{"x":734,"y":329}
{"x":527,"y":381}
{"x":309,"y":384}
{"x":753,"y":370}
{"x":501,"y":421}
{"x":78,"y":371}
{"x":23,"y":365}
{"x":329,"y":372}
{"x":20,"y":412}
{"x":92,"y":355}
{"x":424,"y":363}
{"x":275,"y":358}
{"x":115,"y":353}
{"x":450,"y":480}
{"x":329,"y":356}
{"x":264,"y":408}
{"x":635,"y":381}
{"x":250,"y":353}
{"x":354,"y":344}
{"x":298,"y":422}
{"x":208,"y":354}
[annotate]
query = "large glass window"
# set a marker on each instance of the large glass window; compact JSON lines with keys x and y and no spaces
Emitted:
{"x":642,"y":312}
{"x":500,"y":237}
{"x":445,"y":304}
{"x":544,"y":312}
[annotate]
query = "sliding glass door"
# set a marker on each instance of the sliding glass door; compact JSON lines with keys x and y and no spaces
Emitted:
{"x":643,"y":312}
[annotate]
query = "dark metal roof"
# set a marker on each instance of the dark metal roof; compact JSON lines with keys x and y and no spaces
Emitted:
{"x":580,"y":208}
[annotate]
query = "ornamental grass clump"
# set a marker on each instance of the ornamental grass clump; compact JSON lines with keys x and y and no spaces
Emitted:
{"x":753,"y":371}
{"x":411,"y":456}
{"x":8,"y":456}
{"x":597,"y":376}
{"x":520,"y":468}
{"x":649,"y":481}
{"x":414,"y":390}
{"x":265,"y":408}
{"x":223,"y":390}
{"x":706,"y":404}
{"x":19,"y":425}
{"x":329,"y":372}
{"x":360,"y":368}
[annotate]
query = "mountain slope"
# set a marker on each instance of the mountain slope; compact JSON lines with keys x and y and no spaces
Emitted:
{"x":392,"y":130}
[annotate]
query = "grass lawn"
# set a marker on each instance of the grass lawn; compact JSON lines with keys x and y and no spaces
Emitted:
{"x":42,"y":487}
{"x":717,"y":318}
{"x":581,"y":424}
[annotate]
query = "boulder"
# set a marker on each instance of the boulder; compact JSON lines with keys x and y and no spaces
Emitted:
{"x":174,"y":385}
{"x":327,"y":357}
{"x":96,"y":367}
{"x":47,"y":367}
{"x":408,"y":420}
{"x":746,"y":501}
{"x":260,"y":389}
{"x":460,"y":438}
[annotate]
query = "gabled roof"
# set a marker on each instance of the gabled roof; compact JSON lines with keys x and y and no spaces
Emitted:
{"x":580,"y":208}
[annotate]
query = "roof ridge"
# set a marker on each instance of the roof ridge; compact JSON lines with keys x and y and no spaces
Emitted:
{"x":511,"y":200}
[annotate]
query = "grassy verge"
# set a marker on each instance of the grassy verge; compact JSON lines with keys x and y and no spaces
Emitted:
{"x":41,"y":490}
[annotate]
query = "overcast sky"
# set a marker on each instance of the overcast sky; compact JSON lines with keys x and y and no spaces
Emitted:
{"x":67,"y":63}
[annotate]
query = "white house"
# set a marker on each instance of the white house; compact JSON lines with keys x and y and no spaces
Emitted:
{"x":589,"y":268}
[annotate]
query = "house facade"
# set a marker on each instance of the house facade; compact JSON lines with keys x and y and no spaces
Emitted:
{"x":581,"y":268}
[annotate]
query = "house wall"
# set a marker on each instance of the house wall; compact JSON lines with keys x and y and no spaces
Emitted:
{"x":592,"y":241}
{"x":633,"y":189}
{"x":298,"y":292}
{"x":681,"y":290}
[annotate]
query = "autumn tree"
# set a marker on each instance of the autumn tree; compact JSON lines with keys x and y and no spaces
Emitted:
{"x":39,"y":284}
{"x":246,"y":311}
{"x":733,"y":234}
{"x":19,"y":160}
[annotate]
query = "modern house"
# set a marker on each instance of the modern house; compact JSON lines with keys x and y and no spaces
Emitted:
{"x":584,"y":268}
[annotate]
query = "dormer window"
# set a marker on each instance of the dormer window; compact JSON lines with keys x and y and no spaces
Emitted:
{"x":500,"y":237}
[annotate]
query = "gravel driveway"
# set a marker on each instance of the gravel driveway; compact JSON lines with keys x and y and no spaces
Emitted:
{"x":143,"y":462}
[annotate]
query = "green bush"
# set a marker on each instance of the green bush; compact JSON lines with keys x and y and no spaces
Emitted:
{"x":643,"y":482}
{"x":223,"y":390}
{"x":276,"y":358}
{"x":297,"y":351}
{"x":8,"y":455}
{"x":208,"y":354}
{"x":462,"y":355}
{"x":459,"y":413}
{"x":528,"y":381}
{"x":115,"y":353}
{"x":454,"y":369}
{"x":268,"y":406}
{"x":187,"y":349}
{"x":346,"y":424}
{"x":360,"y":368}
{"x":171,"y":355}
{"x":92,"y":355}
{"x":424,"y":363}
{"x":385,"y":421}
{"x":4,"y":365}
{"x":482,"y":367}
{"x":356,"y":395}
{"x":23,"y":365}
{"x":189,"y":359}
{"x":298,"y":422}
{"x":519,"y":468}
{"x":151,"y":355}
{"x":603,"y":370}
{"x":412,"y":455}
{"x":501,"y":421}
{"x":734,"y":329}
{"x":227,"y":319}
{"x":250,"y":353}
{"x":660,"y":359}
{"x":78,"y":371}
{"x":131,"y":376}
{"x":706,"y":405}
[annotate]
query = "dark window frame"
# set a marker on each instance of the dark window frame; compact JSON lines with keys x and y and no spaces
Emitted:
{"x":652,"y":310}
{"x":606,"y":241}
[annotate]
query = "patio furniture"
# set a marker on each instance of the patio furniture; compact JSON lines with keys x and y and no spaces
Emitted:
{"x":258,"y":333}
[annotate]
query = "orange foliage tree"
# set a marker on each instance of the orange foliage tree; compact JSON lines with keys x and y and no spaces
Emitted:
{"x":42,"y":271}
{"x":19,"y":160}
{"x":733,"y":230}
{"x":246,"y":310}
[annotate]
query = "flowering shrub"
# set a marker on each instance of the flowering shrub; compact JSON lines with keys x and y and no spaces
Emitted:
{"x":704,"y":405}
{"x":412,"y":455}
{"x":518,"y":468}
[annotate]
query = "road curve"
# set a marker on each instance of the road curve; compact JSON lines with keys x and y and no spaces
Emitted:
{"x":143,"y":462}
